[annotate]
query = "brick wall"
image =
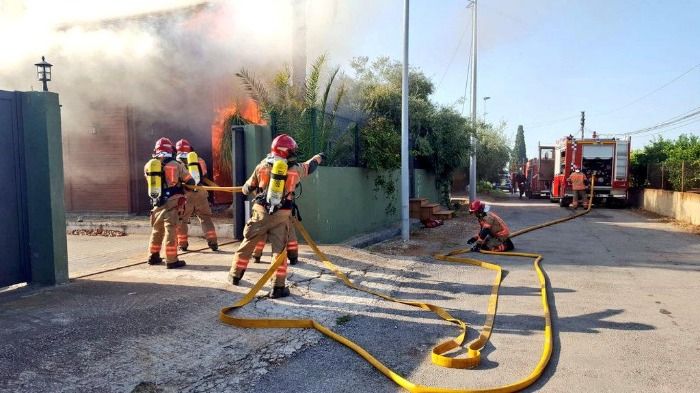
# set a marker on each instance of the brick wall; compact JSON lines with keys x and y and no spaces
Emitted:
{"x":96,"y":164}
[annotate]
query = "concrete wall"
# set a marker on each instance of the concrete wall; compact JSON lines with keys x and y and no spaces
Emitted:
{"x":338,"y":203}
{"x":46,"y":217}
{"x":683,"y":206}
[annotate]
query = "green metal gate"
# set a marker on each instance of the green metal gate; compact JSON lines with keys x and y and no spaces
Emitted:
{"x":14,"y":265}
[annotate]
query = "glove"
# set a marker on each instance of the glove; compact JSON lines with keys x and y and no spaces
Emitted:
{"x":472,"y":240}
{"x":476,"y":248}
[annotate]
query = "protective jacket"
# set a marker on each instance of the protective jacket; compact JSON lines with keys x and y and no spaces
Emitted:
{"x":492,"y":225}
{"x":173,"y":175}
{"x":578,"y":181}
{"x":260,"y":180}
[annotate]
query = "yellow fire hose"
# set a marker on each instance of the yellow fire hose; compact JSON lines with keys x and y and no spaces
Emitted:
{"x":439,"y":352}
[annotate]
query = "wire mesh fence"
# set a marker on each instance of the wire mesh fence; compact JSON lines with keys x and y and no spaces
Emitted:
{"x":681,"y":176}
{"x":315,"y":131}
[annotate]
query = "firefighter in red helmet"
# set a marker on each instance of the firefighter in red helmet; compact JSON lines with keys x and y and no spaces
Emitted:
{"x":197,"y":202}
{"x":273,"y":183}
{"x":165,"y":177}
{"x":493,"y":233}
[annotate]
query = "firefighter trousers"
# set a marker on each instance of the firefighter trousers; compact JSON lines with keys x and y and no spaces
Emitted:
{"x":164,"y":221}
{"x":198,"y":205}
{"x":273,"y":227}
{"x":579,"y":194}
{"x":292,"y":245}
{"x":498,"y":244}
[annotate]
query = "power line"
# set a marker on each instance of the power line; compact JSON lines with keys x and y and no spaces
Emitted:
{"x":680,"y":120}
{"x":454,"y":54}
{"x":636,"y":100}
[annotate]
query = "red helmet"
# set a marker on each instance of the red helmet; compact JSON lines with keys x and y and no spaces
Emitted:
{"x":283,"y":146}
{"x":163,"y":148}
{"x":476,"y":207}
{"x":183,"y":146}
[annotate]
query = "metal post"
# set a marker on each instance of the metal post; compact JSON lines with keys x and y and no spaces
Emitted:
{"x":357,"y":144}
{"x":239,"y":177}
{"x":662,"y":176}
{"x":583,"y":122}
{"x":405,"y":228}
{"x":682,"y":176}
{"x":472,"y":139}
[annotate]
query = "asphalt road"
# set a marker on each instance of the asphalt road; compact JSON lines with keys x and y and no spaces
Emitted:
{"x":624,"y":304}
{"x":623,"y":289}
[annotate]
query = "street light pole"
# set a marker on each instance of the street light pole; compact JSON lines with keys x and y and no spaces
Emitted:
{"x":473,"y":141}
{"x":405,"y":227}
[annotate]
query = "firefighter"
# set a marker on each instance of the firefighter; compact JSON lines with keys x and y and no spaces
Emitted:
{"x":273,"y":182}
{"x":197,"y":202}
{"x":521,"y":180}
{"x":578,"y":184}
{"x":493,"y":233}
{"x":165,"y":177}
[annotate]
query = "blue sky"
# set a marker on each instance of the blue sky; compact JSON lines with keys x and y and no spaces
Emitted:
{"x":543,"y":61}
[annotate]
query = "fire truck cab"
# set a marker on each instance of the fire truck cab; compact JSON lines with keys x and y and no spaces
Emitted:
{"x":607,"y":159}
{"x":540,"y":173}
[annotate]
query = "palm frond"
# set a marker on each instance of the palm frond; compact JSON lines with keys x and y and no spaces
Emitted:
{"x":312,"y":81}
{"x":255,"y":89}
{"x":326,"y":93}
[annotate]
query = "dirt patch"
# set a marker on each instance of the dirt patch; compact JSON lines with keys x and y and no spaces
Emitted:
{"x":98,"y":232}
{"x":428,"y":241}
{"x":695,"y":229}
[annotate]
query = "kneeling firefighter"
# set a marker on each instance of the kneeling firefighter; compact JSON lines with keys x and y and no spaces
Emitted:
{"x":197,"y":202}
{"x":273,"y":182}
{"x":165,"y":177}
{"x":493,"y":235}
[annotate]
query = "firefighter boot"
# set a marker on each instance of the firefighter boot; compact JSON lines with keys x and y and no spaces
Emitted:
{"x":236,"y":279}
{"x":293,"y":261}
{"x":257,"y":259}
{"x":175,"y":265}
{"x":155,"y":259}
{"x":183,"y":246}
{"x":278,"y":292}
{"x":213,"y":245}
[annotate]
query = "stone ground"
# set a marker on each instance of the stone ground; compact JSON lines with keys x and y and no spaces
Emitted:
{"x":623,"y":286}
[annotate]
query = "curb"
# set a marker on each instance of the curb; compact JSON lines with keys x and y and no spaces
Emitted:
{"x":223,"y":230}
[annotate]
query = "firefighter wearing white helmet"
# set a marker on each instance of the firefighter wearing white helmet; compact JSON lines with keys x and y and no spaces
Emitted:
{"x":197,"y":202}
{"x":493,"y":231}
{"x":578,"y":185}
{"x":273,"y":183}
{"x":165,"y":177}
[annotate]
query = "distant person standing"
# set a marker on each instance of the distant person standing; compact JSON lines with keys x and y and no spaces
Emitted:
{"x":521,"y":180}
{"x":578,"y":185}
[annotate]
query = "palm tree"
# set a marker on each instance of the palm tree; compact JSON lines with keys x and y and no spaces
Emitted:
{"x":306,"y":113}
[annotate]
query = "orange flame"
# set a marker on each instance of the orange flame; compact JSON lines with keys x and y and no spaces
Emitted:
{"x":250,"y":112}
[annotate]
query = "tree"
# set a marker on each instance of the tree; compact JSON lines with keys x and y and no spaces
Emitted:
{"x":440,"y":135}
{"x":493,"y":153}
{"x":519,"y":150}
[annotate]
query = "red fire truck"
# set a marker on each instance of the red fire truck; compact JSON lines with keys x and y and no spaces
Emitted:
{"x":540,"y":172}
{"x":607,"y":159}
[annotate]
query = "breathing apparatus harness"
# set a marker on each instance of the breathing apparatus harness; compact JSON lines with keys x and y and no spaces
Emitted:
{"x":157,"y":182}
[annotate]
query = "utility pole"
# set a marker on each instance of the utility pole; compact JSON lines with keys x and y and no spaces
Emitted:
{"x":583,"y":122}
{"x":473,"y":141}
{"x":405,"y":224}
